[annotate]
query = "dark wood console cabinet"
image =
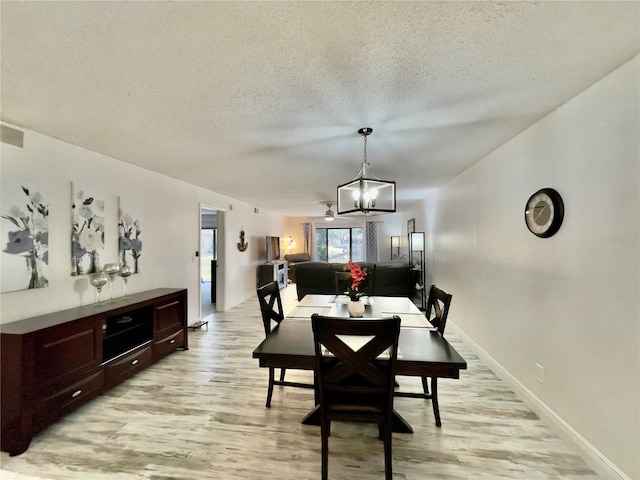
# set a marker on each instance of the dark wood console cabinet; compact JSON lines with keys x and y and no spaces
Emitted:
{"x":53,"y":363}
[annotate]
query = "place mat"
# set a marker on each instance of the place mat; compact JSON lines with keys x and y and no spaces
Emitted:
{"x":415,"y":320}
{"x":313,"y":301}
{"x":306,"y":311}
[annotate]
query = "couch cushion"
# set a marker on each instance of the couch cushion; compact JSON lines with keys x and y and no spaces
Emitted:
{"x":314,"y":277}
{"x":297,"y":257}
{"x":393,"y":279}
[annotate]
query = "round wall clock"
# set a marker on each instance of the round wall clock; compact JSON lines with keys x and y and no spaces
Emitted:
{"x":544,"y":212}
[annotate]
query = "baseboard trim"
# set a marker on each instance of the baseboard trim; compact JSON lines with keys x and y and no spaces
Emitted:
{"x":594,"y":458}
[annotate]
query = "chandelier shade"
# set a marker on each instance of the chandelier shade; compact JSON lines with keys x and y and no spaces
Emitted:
{"x":366,"y":194}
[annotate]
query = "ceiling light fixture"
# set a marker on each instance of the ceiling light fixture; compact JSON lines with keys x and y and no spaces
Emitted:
{"x":366,"y":194}
{"x":328,"y":215}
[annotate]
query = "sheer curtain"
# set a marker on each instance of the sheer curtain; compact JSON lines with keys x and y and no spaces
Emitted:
{"x":307,"y":232}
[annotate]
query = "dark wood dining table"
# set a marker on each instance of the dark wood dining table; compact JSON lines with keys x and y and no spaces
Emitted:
{"x":423,"y":352}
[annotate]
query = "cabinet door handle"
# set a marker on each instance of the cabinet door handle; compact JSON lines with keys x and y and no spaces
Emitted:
{"x":76,"y":393}
{"x":135,"y":361}
{"x":173,"y":340}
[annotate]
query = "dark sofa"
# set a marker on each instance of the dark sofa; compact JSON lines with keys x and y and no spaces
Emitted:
{"x":391,"y":279}
{"x":293,"y":259}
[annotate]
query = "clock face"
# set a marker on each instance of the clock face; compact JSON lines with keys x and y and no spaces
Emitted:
{"x":544,"y":212}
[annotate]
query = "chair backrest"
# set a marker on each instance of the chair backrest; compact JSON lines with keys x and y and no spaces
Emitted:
{"x":270,"y":305}
{"x":343,"y":281}
{"x":438,"y":305}
{"x":355,"y":365}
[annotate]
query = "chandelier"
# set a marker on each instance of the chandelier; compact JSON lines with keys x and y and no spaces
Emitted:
{"x":366,"y":194}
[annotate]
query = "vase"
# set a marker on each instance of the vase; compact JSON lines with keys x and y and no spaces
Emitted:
{"x":37,"y":279}
{"x":125,"y":272}
{"x":355,"y":308}
{"x":98,"y":280}
{"x":111,"y":269}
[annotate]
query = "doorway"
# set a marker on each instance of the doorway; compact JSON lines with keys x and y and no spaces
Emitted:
{"x":209,"y":248}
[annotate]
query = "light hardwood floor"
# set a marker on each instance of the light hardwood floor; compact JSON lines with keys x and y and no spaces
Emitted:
{"x":200,"y":414}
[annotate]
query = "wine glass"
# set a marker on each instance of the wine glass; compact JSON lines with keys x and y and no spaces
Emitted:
{"x":125,"y":272}
{"x":98,"y":280}
{"x":111,"y":269}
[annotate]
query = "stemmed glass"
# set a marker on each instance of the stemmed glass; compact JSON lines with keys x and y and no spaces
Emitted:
{"x":111,"y":269}
{"x":98,"y":280}
{"x":125,"y":272}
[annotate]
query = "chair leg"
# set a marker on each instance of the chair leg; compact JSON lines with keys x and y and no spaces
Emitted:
{"x":388,"y":457}
{"x":425,"y":385}
{"x":324,"y":433}
{"x":282,"y":372}
{"x":434,"y":400}
{"x":270,"y":387}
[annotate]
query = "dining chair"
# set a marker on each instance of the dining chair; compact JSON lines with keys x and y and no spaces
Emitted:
{"x":342,"y":283}
{"x":271,"y":310}
{"x":437,"y":312}
{"x":355,"y":373}
{"x":438,"y":304}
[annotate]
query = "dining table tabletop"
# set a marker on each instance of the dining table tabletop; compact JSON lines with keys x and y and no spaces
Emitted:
{"x":422,"y":350}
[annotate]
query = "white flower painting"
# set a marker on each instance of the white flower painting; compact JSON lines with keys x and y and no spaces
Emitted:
{"x":25,"y":228}
{"x":87,"y":231}
{"x":130,"y":243}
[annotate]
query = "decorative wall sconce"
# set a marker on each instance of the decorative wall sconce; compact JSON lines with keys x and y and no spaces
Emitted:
{"x":242,"y":245}
{"x":395,"y":247}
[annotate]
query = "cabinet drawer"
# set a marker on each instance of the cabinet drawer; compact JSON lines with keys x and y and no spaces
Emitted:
{"x":123,"y":367}
{"x":52,"y":406}
{"x":168,"y":344}
{"x":65,"y":353}
{"x":168,"y":316}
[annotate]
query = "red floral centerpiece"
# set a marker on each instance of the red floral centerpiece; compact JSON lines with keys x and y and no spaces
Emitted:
{"x":357,"y":274}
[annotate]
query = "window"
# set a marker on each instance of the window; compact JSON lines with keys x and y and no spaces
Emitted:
{"x":340,"y":245}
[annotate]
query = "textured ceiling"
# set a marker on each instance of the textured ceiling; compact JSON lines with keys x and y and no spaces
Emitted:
{"x":262,"y":101}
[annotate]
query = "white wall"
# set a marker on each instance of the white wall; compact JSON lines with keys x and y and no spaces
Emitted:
{"x":169,"y":213}
{"x":569,"y":302}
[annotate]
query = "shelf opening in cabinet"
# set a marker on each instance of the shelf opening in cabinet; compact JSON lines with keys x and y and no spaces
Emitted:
{"x":122,"y":333}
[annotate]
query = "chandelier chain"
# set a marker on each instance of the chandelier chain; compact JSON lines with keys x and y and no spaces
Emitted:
{"x":365,"y":148}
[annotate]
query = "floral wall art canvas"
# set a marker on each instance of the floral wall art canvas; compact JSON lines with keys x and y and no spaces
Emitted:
{"x":87,"y":231}
{"x":130,"y":243}
{"x":25,"y":229}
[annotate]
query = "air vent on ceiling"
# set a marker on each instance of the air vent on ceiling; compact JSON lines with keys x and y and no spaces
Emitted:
{"x":11,"y":136}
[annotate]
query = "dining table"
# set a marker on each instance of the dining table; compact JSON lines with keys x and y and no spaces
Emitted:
{"x":422,"y":350}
